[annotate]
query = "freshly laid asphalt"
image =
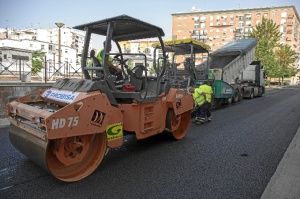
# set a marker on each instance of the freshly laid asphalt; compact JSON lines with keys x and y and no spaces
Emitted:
{"x":285,"y":183}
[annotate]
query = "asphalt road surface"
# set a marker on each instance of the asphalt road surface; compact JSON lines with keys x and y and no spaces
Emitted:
{"x":234,"y":156}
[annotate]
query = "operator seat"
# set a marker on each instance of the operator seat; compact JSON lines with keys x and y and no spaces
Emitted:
{"x":136,"y":77}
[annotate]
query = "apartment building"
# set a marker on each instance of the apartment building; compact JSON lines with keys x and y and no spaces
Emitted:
{"x":46,"y":40}
{"x":218,"y":27}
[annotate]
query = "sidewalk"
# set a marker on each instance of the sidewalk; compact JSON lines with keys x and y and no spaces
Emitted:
{"x":285,"y":183}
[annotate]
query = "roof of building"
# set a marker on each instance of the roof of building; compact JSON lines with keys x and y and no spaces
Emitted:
{"x":237,"y":10}
{"x":16,"y":49}
{"x":125,"y":28}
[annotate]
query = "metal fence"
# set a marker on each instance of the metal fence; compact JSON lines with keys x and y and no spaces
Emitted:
{"x":22,"y":70}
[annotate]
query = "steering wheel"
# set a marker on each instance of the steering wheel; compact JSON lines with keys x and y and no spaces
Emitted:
{"x":123,"y":65}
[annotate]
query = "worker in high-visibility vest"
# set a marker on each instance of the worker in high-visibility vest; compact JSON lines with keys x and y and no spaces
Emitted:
{"x":114,"y":70}
{"x":203,"y":97}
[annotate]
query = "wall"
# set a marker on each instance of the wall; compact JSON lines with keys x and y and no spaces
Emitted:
{"x":9,"y":90}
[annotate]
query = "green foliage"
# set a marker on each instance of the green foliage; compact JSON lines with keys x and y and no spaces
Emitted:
{"x":286,"y":57}
{"x":130,"y":64}
{"x":89,"y":63}
{"x":37,"y":62}
{"x":277,"y":59}
{"x":267,"y":29}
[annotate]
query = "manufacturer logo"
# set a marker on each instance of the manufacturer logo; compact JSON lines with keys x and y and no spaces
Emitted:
{"x":114,"y":131}
{"x":62,"y":96}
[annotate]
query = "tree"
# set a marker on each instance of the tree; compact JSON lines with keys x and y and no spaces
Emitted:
{"x":286,"y":57}
{"x":267,"y":29}
{"x":37,"y":62}
{"x":267,"y":35}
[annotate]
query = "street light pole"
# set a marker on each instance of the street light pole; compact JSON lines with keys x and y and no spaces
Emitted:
{"x":59,"y":25}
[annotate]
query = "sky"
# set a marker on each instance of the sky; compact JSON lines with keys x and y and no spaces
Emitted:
{"x":44,"y":14}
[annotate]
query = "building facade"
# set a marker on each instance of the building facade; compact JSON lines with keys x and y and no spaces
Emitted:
{"x":218,"y":27}
{"x":46,"y":41}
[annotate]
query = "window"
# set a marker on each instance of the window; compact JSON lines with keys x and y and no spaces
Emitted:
{"x":211,"y":23}
{"x":202,"y":25}
{"x":283,"y":21}
{"x":248,"y":23}
{"x":282,"y":28}
{"x":265,"y":14}
{"x":31,"y":45}
{"x":258,"y":14}
{"x":283,"y":14}
{"x":43,"y":47}
{"x":231,"y":17}
{"x":211,"y":18}
{"x":241,"y":24}
{"x":257,"y":22}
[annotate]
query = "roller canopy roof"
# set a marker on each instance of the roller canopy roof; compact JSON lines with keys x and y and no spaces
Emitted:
{"x":125,"y":28}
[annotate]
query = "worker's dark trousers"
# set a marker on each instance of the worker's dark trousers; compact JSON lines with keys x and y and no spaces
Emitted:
{"x":204,"y":111}
{"x":114,"y":72}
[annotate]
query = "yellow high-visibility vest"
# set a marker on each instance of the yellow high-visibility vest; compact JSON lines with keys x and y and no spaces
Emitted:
{"x":199,"y":99}
{"x":100,"y":56}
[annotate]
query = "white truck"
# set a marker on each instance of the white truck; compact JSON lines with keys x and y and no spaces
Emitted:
{"x":233,"y":65}
{"x":253,"y":80}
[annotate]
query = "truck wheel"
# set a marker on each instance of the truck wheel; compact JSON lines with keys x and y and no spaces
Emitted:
{"x":73,"y":158}
{"x":178,"y":124}
{"x":235,"y":98}
{"x":229,"y":101}
{"x":241,"y":95}
{"x":252,"y":94}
